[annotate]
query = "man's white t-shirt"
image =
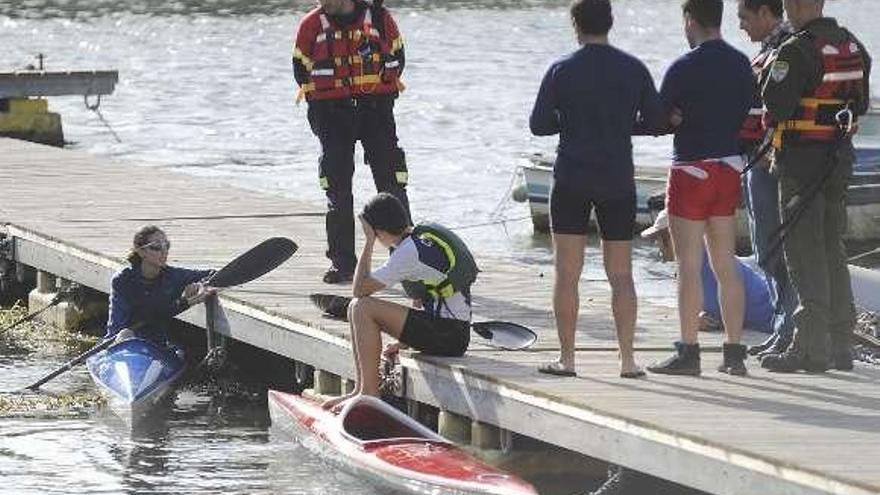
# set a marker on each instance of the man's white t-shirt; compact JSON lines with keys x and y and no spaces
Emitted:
{"x":404,"y":264}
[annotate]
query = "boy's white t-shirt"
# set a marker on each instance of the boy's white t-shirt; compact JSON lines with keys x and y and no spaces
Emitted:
{"x":404,"y":264}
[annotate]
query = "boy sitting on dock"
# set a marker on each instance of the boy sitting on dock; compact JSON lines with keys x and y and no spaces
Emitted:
{"x":436,"y":270}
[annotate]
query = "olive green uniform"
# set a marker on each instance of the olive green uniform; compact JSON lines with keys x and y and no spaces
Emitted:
{"x":813,"y":246}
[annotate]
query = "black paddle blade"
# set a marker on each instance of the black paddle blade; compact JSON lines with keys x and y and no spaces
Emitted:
{"x":332,"y":305}
{"x":258,"y":261}
{"x":505,"y":335}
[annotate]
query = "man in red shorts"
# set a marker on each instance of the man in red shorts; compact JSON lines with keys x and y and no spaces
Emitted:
{"x":712,"y":87}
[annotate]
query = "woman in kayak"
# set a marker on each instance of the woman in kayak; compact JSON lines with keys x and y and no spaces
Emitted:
{"x":151,"y":292}
{"x":436,"y":270}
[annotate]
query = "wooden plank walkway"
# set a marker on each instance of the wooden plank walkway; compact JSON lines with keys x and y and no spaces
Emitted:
{"x":776,"y":434}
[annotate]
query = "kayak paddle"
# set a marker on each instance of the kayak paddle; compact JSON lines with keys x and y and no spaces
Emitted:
{"x":500,"y":334}
{"x":253,"y":264}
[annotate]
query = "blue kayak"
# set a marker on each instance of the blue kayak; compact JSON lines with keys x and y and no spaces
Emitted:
{"x":135,"y":375}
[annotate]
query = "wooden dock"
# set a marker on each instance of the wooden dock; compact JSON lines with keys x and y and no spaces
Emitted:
{"x":72,"y":215}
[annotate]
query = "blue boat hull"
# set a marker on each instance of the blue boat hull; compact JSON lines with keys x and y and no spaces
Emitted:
{"x":135,"y":375}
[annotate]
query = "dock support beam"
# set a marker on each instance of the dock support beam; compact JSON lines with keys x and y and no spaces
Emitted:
{"x":64,"y":315}
{"x":485,"y":436}
{"x":327,"y":383}
{"x":455,"y":427}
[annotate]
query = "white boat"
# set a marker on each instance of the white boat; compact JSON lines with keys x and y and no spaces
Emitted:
{"x":863,"y":198}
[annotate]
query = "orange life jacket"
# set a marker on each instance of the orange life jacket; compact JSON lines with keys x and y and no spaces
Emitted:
{"x":357,"y":60}
{"x":841,"y":85}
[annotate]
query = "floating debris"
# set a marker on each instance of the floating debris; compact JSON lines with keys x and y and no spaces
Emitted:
{"x":36,"y":336}
{"x":75,"y":405}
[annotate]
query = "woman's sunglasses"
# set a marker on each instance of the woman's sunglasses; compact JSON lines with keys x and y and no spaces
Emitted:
{"x":157,"y":246}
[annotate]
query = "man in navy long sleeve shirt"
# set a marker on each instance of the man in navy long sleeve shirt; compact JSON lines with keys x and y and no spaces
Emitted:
{"x":594,"y":98}
{"x":712,"y":87}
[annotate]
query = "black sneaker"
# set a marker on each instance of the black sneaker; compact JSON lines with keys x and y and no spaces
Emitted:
{"x":685,"y":361}
{"x":734,"y":357}
{"x":334,"y":275}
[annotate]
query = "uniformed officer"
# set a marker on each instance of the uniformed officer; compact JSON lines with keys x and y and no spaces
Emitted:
{"x":763,"y":21}
{"x":347,"y":59}
{"x":818,"y":81}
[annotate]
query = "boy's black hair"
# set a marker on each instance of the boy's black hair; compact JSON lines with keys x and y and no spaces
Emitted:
{"x":386,"y":212}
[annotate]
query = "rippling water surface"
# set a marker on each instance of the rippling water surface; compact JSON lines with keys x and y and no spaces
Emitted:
{"x":206,"y":89}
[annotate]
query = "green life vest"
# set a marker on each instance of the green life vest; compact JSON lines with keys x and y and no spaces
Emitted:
{"x":460,"y":269}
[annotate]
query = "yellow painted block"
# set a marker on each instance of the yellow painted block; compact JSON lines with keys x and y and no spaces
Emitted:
{"x":27,"y":105}
{"x":42,"y":128}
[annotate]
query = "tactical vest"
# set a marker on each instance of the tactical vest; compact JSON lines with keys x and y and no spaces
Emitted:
{"x":752,"y":129}
{"x":841,"y":85}
{"x":459,"y":265}
{"x":353,"y":61}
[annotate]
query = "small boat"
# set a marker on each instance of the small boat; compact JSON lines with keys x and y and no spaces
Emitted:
{"x":863,"y":198}
{"x":135,"y":375}
{"x":373,"y":440}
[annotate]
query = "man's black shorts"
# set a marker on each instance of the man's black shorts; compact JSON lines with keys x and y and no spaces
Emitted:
{"x":570,"y":210}
{"x":436,"y":336}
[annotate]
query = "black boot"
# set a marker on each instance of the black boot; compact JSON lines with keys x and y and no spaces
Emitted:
{"x":842,"y":358}
{"x":335,"y":275}
{"x":685,"y":361}
{"x":763,"y":346}
{"x":792,"y":360}
{"x":734,"y":355}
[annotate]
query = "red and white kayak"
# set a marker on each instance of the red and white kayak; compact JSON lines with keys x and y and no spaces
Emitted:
{"x":371,"y":439}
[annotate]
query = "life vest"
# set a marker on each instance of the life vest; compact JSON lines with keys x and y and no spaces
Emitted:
{"x":458,"y":264}
{"x":752,"y":129}
{"x":357,"y":60}
{"x":841,"y":85}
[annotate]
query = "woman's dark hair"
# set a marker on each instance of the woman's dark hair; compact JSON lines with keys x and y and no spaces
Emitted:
{"x":707,"y":13}
{"x":141,"y":238}
{"x":592,"y":16}
{"x":775,"y":6}
{"x":385,"y":212}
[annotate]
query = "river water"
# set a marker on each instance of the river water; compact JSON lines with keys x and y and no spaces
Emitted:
{"x":206,"y":89}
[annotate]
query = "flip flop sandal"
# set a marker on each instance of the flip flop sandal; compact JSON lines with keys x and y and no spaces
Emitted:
{"x":555,"y":369}
{"x":633,"y":374}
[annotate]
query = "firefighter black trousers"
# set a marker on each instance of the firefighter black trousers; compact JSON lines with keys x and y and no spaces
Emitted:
{"x":339,"y":124}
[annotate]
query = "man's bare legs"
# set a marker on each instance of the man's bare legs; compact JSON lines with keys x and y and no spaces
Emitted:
{"x":368,"y":317}
{"x":721,"y":244}
{"x":687,"y":239}
{"x":568,"y":262}
{"x":617,"y":258}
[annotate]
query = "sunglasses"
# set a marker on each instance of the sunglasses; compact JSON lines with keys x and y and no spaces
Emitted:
{"x":157,"y":246}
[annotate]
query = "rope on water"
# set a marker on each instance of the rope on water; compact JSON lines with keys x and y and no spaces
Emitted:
{"x":94,"y":107}
{"x":501,"y":221}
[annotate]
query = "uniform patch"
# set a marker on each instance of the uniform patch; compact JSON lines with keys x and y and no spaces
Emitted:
{"x":779,"y":71}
